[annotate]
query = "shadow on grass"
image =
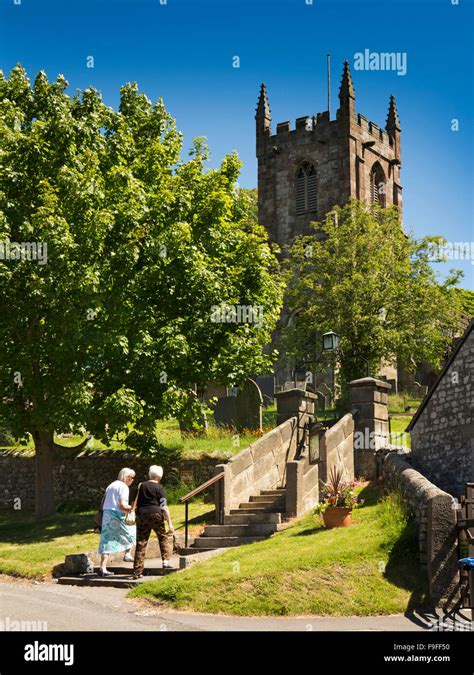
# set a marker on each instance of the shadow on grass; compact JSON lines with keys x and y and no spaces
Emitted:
{"x":403,"y":568}
{"x":208,"y":518}
{"x":370,"y":495}
{"x":317,"y":529}
{"x":21,"y":528}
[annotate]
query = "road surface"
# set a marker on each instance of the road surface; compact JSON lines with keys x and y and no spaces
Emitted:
{"x":72,"y":608}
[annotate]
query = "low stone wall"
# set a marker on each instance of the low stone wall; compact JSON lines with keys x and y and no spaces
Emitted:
{"x":261,"y":466}
{"x":436,"y":519}
{"x":337,"y":449}
{"x":302,"y":486}
{"x":83,"y":479}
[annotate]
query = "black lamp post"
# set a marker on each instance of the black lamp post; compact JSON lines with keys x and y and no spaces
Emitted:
{"x":330,"y":341}
{"x":330,"y":344}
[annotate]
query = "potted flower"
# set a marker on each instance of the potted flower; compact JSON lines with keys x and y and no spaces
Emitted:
{"x":338,"y":500}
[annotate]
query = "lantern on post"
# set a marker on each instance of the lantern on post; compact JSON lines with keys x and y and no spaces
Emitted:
{"x":330,"y":341}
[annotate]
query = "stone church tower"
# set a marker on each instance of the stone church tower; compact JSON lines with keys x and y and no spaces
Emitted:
{"x":304,"y":172}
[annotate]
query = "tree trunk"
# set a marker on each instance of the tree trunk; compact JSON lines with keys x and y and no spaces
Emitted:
{"x":44,"y":496}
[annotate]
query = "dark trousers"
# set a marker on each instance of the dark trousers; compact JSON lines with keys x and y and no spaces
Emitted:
{"x":145,"y":524}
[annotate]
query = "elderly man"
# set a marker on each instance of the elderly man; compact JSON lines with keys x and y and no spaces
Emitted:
{"x":152,"y":513}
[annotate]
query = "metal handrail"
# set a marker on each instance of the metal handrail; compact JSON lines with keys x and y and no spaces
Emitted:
{"x":202,"y":487}
{"x":192,"y":494}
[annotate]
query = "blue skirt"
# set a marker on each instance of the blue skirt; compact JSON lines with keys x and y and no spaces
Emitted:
{"x":116,"y":535}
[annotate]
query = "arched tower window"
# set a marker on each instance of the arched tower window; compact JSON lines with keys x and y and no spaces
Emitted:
{"x":378,"y":185}
{"x":306,"y":189}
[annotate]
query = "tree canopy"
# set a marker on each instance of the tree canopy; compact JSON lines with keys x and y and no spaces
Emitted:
{"x":360,"y":275}
{"x":116,"y":326}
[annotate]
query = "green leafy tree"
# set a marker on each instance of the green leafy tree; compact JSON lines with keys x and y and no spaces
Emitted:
{"x":465,"y":298}
{"x":360,"y":275}
{"x":117,"y":327}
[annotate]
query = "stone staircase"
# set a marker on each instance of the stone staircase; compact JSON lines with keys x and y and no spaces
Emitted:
{"x":253,"y":521}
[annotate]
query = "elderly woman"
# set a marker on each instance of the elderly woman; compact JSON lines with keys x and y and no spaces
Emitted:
{"x":152,"y":512}
{"x":115,"y":534}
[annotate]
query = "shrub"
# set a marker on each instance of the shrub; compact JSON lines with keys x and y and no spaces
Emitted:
{"x":148,"y":447}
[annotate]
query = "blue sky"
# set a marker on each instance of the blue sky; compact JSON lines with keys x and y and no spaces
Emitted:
{"x":183,"y":51}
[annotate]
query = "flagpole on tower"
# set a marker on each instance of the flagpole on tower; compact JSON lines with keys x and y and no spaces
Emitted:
{"x":329,"y":84}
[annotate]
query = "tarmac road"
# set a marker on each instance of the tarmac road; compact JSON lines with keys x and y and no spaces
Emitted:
{"x":72,"y":608}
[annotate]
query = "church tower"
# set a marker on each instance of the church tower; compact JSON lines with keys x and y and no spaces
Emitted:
{"x":304,"y":172}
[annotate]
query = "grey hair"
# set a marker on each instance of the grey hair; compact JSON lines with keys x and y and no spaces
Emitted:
{"x":155,"y":471}
{"x":125,"y":473}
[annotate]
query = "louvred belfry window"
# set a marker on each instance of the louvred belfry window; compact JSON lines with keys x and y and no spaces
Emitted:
{"x":306,"y":189}
{"x":377,"y":186}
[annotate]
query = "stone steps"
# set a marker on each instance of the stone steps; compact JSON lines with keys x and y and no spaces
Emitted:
{"x":247,"y":518}
{"x":254,"y":509}
{"x":123,"y":574}
{"x":241,"y":530}
{"x":262,"y":505}
{"x":268,"y":499}
{"x":227,"y":542}
{"x":154,"y":571}
{"x":253,"y":521}
{"x":117,"y":581}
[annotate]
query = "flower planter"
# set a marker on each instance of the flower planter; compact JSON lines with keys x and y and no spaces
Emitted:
{"x":337,"y":516}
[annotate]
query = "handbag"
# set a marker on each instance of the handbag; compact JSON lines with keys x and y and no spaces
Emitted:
{"x":98,"y":517}
{"x":130,"y":516}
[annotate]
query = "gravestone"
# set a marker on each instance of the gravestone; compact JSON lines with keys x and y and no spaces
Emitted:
{"x":225,"y":411}
{"x":321,"y":402}
{"x":267,"y":387}
{"x":299,"y":384}
{"x":249,"y":404}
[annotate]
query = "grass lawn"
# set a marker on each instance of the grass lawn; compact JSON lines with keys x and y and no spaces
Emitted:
{"x":398,"y":435}
{"x":31,"y":549}
{"x":402,"y":402}
{"x":370,"y":568}
{"x":218,"y":442}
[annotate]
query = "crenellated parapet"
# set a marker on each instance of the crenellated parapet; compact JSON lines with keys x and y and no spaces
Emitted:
{"x":305,"y":169}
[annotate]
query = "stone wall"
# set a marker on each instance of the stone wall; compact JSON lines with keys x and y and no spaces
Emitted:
{"x":442,"y":437}
{"x":302,"y":485}
{"x":369,"y":405}
{"x":436,"y":519}
{"x":337,"y":449}
{"x":261,"y":466}
{"x":82,"y":479}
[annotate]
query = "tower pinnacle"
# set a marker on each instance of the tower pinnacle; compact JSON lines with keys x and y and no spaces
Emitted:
{"x":263,"y":108}
{"x":393,"y":121}
{"x":346,"y":89}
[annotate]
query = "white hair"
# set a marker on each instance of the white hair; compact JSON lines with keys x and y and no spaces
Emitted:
{"x":125,"y":473}
{"x":155,"y":471}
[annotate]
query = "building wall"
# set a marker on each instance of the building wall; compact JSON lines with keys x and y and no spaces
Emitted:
{"x":443,"y":436}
